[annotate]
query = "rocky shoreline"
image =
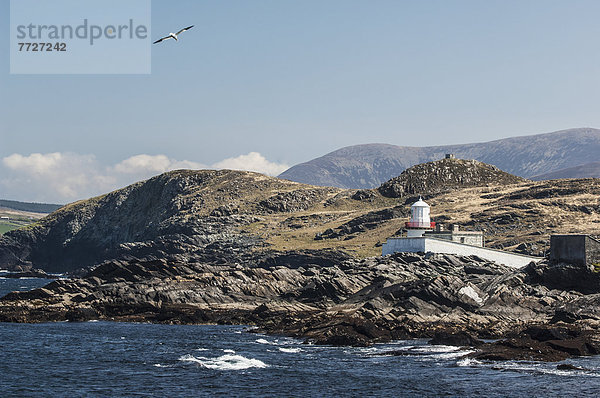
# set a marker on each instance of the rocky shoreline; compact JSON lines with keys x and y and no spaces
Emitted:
{"x":33,"y":273}
{"x":326,"y":297}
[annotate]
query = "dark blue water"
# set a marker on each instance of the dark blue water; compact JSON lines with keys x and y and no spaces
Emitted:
{"x":118,"y":359}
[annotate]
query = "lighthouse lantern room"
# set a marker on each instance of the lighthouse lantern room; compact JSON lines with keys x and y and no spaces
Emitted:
{"x":420,"y":220}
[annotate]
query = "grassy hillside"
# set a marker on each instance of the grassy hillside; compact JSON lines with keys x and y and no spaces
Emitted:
{"x":11,"y":219}
{"x":218,"y":216}
{"x":5,"y":227}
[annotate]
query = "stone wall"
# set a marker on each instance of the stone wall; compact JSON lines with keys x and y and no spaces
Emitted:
{"x":427,"y":244}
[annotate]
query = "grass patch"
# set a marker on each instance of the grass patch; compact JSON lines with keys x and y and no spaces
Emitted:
{"x":4,"y":228}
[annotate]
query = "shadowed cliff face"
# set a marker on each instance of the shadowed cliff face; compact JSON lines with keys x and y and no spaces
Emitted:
{"x":176,"y":212}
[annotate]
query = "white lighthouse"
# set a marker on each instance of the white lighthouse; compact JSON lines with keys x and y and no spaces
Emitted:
{"x":420,"y":221}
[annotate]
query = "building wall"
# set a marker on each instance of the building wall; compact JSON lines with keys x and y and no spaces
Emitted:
{"x":568,"y":249}
{"x":468,"y":239}
{"x":424,"y":245}
{"x":395,"y":245}
{"x":580,"y":250}
{"x":592,"y":252}
{"x":473,"y":239}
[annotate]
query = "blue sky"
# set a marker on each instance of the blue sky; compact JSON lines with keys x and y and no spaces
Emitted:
{"x":287,"y":81}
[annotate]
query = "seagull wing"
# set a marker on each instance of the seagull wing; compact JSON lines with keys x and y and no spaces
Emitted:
{"x":161,"y":39}
{"x":184,"y":29}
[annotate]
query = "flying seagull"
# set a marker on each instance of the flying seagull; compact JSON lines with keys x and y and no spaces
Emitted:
{"x":173,"y":35}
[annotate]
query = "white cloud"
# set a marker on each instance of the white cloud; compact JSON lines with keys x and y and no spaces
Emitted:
{"x":153,"y":163}
{"x":62,"y":177}
{"x":44,"y":163}
{"x":253,"y":161}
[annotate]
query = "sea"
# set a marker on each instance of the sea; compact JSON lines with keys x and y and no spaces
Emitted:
{"x":110,"y":359}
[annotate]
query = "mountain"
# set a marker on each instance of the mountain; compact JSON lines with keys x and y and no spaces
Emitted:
{"x":29,"y":207}
{"x":588,"y":170}
{"x":369,"y":165}
{"x":235,"y":217}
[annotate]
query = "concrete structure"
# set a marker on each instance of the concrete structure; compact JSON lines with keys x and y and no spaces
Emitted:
{"x":420,"y":220}
{"x":473,"y":238}
{"x":580,"y":250}
{"x":434,"y":245}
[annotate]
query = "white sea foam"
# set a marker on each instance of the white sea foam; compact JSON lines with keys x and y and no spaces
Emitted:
{"x":468,"y":362}
{"x":453,"y":355}
{"x":229,"y":351}
{"x":225,"y":362}
{"x":263,"y":341}
{"x":435,"y":348}
{"x":539,"y":368}
{"x":290,"y":350}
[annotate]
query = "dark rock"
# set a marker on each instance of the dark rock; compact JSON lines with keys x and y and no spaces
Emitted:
{"x":568,"y":366}
{"x":458,"y":339}
{"x":81,"y":314}
{"x":364,"y":194}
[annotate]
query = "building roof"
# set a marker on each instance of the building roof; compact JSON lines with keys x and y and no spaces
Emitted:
{"x":420,"y":203}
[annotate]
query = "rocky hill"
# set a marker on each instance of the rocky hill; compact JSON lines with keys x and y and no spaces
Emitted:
{"x":444,"y":176}
{"x":588,"y":170}
{"x":221,"y":217}
{"x":183,"y":212}
{"x":368,"y":166}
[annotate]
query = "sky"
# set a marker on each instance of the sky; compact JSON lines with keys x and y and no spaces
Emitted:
{"x":266,"y":84}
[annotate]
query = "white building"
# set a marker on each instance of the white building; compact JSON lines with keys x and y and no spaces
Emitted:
{"x":420,"y":238}
{"x":420,"y":220}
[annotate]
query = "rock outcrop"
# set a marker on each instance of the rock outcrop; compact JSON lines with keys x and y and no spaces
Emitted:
{"x":328,"y":298}
{"x":445,"y":175}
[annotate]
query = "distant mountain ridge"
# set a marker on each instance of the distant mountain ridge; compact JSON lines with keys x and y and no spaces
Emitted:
{"x":30,"y":207}
{"x":587,"y":170}
{"x":369,"y":165}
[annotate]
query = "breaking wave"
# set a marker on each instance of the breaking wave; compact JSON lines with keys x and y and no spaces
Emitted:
{"x":225,"y":362}
{"x":290,"y":350}
{"x":468,"y":362}
{"x":263,"y":341}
